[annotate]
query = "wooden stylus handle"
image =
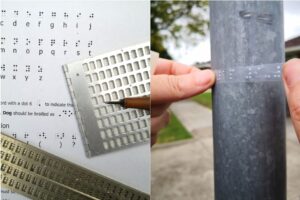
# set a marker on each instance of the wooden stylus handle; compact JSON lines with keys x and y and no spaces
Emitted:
{"x":138,"y":102}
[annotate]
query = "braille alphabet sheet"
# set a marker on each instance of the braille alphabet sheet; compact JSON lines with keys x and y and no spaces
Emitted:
{"x":37,"y":39}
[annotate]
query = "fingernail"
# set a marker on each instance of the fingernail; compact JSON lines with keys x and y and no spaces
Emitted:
{"x":292,"y":72}
{"x":204,"y":77}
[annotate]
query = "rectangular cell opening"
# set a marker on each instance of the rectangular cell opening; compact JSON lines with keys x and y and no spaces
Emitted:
{"x":99,"y":63}
{"x":112,"y":59}
{"x":126,"y":55}
{"x":105,"y":61}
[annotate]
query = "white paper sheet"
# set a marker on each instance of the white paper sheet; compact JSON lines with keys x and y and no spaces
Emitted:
{"x":37,"y":38}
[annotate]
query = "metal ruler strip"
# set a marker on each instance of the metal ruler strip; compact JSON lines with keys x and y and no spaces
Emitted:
{"x":39,"y":175}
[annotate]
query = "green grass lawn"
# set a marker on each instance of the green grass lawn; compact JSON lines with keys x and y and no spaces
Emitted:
{"x":174,"y":131}
{"x":203,"y":99}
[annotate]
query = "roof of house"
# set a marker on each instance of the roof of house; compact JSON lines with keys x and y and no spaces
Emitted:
{"x":293,"y":42}
{"x":292,"y":45}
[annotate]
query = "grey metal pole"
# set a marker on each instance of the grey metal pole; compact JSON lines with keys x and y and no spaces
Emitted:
{"x":248,"y":116}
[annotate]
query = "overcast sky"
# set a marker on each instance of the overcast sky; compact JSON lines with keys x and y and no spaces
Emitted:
{"x":201,"y":52}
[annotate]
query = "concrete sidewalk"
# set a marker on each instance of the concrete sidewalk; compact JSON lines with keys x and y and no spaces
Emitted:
{"x":184,"y":170}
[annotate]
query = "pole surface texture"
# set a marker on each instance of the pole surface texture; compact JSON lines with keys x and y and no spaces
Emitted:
{"x":248,"y":116}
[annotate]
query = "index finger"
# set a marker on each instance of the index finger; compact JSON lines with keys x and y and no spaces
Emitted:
{"x":165,"y":66}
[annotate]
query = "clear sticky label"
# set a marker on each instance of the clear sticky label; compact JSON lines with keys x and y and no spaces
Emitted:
{"x":255,"y":73}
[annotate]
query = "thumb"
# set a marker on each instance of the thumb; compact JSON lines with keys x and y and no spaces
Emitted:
{"x":291,"y":76}
{"x":170,"y":88}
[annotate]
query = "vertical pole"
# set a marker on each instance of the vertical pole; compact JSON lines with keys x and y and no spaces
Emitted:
{"x":248,"y":117}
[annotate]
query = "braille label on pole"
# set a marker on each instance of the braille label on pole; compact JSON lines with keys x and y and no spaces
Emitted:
{"x":255,"y":73}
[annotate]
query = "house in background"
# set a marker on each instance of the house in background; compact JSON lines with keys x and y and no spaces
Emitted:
{"x":292,"y":48}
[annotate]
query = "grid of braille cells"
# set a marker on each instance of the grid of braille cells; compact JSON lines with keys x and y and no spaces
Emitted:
{"x":111,"y":77}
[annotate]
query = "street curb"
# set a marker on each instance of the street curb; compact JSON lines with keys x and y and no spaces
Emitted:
{"x":171,"y":144}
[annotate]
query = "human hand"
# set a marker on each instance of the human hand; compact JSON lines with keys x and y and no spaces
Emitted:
{"x":172,"y":82}
{"x":291,"y":78}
